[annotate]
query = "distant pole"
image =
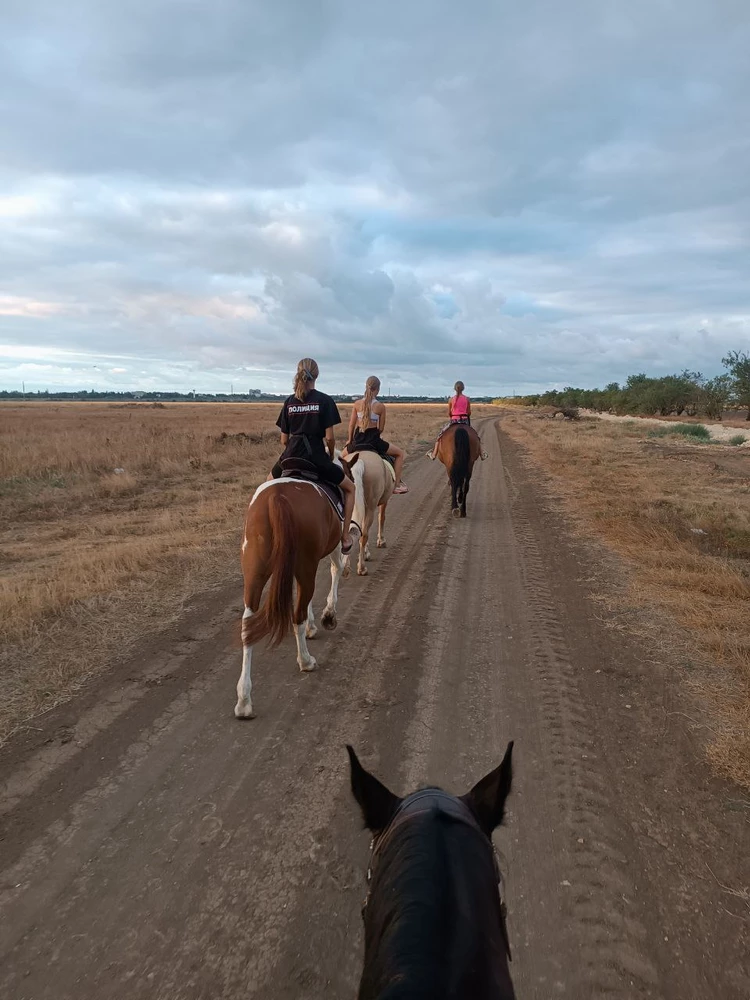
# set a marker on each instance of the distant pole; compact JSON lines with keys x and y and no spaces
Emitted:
{"x":23,"y":389}
{"x":231,"y":388}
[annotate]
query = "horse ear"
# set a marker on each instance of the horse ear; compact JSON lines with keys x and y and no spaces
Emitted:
{"x":487,"y":797}
{"x":377,"y":803}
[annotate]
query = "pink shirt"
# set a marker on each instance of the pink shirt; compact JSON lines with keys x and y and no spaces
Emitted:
{"x":460,"y":406}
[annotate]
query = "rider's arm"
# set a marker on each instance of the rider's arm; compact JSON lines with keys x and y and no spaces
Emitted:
{"x":381,"y":418}
{"x":330,"y":441}
{"x":468,"y":408}
{"x":284,"y":439}
{"x":450,"y":407}
{"x":352,"y":422}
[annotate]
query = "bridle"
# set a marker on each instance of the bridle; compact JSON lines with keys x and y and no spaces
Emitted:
{"x":419,"y":804}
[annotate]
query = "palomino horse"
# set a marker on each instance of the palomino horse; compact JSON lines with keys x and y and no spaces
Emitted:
{"x":289,"y":528}
{"x":458,"y":449}
{"x":434,"y":916}
{"x":373,"y":485}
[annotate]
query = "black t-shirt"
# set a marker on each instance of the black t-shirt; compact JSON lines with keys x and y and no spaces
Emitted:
{"x":312,"y":418}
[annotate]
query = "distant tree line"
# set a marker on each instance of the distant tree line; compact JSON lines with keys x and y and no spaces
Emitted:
{"x":254,"y":396}
{"x":688,"y":393}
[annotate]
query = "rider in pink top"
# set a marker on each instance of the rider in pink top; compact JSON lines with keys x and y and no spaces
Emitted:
{"x":459,"y":411}
{"x":460,"y":406}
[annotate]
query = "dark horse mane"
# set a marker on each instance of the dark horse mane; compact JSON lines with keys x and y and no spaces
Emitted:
{"x":429,"y":936}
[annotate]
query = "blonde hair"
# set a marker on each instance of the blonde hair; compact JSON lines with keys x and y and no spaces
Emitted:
{"x":307,"y":371}
{"x":459,"y":387}
{"x":372,"y":388}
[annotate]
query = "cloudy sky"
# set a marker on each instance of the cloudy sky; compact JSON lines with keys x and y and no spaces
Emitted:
{"x":196,"y":194}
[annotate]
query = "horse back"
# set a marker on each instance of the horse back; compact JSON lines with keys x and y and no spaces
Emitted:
{"x":316,"y":526}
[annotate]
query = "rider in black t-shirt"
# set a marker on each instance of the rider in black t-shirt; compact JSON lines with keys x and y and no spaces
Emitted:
{"x":306,"y":423}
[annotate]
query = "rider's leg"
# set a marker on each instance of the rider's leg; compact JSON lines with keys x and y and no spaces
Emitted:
{"x":348,"y":487}
{"x":400,"y":457}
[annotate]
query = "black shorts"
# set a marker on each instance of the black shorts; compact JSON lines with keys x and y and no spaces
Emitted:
{"x":327,"y":470}
{"x":369,"y":440}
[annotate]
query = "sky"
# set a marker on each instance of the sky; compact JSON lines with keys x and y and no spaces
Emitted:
{"x":196,"y":195}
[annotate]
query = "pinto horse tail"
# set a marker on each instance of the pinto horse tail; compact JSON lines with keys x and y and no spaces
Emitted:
{"x":461,"y":459}
{"x":274,"y":619}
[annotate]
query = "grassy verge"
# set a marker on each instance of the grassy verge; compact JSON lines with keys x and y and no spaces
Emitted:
{"x":680,"y":515}
{"x":112,"y":517}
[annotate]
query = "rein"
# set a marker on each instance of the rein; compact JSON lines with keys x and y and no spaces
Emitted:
{"x":426,"y":801}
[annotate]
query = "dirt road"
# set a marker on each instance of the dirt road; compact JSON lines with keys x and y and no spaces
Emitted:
{"x":154,"y":847}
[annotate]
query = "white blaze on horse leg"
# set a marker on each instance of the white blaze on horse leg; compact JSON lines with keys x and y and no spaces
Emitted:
{"x":311,"y":630}
{"x":337,"y":567}
{"x":306,"y":662}
{"x":244,"y":707}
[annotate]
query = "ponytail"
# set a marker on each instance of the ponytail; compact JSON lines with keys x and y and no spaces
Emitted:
{"x":307,"y":371}
{"x":372,"y":388}
{"x":459,"y":387}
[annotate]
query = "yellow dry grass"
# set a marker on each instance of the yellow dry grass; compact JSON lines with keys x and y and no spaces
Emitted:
{"x":91,"y":558}
{"x":680,"y":514}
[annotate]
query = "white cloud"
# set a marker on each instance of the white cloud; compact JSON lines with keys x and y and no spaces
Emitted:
{"x":523,"y":194}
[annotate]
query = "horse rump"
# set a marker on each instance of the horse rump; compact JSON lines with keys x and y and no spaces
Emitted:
{"x":274,"y":619}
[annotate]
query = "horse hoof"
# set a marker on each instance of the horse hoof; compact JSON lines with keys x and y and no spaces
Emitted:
{"x":382,"y":545}
{"x":456,"y":512}
{"x":243,"y":711}
{"x":463,"y":513}
{"x":361,"y":571}
{"x":311,"y":633}
{"x":307,"y":668}
{"x":329,"y":621}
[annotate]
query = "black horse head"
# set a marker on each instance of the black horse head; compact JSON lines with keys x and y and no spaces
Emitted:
{"x":434,"y":919}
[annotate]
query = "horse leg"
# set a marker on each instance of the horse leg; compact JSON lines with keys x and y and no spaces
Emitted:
{"x":310,"y":629}
{"x":455,"y":510}
{"x":467,"y":483}
{"x":364,"y":548}
{"x":244,"y":707}
{"x":329,"y":621}
{"x":381,"y":525}
{"x":305,"y":591}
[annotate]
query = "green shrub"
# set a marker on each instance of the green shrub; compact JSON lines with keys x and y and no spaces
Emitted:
{"x":693,"y":430}
{"x":738,"y":439}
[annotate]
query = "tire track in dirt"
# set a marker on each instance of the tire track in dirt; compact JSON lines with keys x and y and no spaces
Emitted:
{"x":611,"y":939}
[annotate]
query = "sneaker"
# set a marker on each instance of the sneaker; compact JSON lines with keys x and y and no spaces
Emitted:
{"x":401,"y":488}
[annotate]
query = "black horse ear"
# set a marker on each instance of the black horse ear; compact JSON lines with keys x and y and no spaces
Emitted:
{"x":377,"y":803}
{"x":487,"y":798}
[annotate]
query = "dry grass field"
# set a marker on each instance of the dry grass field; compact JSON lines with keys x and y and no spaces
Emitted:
{"x":679,"y":513}
{"x":92,"y":559}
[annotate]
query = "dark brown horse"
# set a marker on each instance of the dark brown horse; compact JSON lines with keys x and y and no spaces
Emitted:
{"x":289,"y":528}
{"x":458,"y":449}
{"x":434,"y":915}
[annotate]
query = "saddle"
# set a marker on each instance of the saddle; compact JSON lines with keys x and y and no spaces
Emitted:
{"x":388,"y":462}
{"x":302,"y":470}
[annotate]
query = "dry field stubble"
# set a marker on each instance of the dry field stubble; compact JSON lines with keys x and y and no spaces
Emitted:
{"x":92,"y":559}
{"x":680,"y":514}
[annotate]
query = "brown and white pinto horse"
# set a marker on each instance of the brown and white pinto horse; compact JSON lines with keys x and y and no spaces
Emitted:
{"x":289,"y":528}
{"x":458,"y":449}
